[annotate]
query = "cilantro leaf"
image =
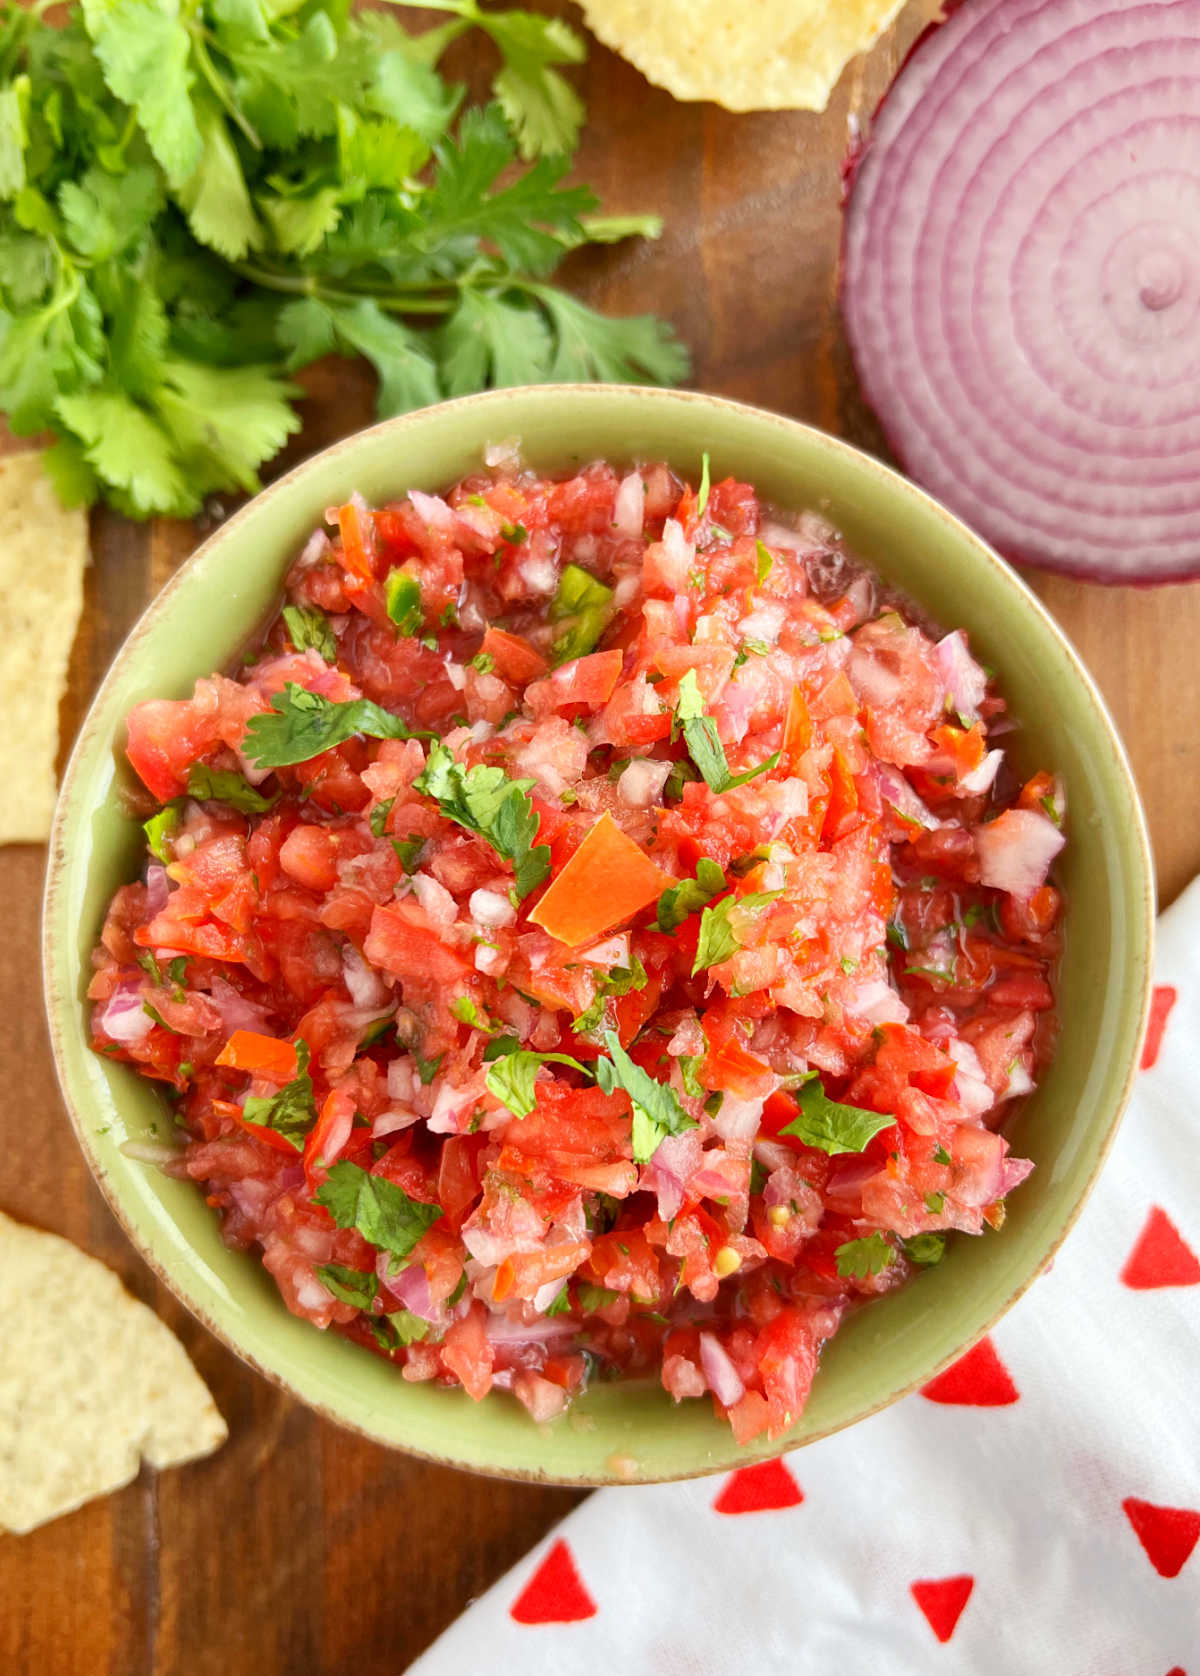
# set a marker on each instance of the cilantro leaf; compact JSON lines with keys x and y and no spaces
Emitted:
{"x":408,"y":1328}
{"x":722,"y":927}
{"x":764,"y":563}
{"x":293,"y":1111}
{"x":494,"y":339}
{"x":487,"y":802}
{"x":309,"y":629}
{"x":689,"y":895}
{"x":382,"y":1212}
{"x":704,"y":744}
{"x":226,"y":786}
{"x":301,"y":725}
{"x":622,"y":980}
{"x":656,"y":1109}
{"x":584,"y":605}
{"x":513,"y":1073}
{"x":856,"y":1259}
{"x":925,"y":1249}
{"x":144,"y":50}
{"x":702,"y":492}
{"x":638,"y":349}
{"x":349,"y":1286}
{"x":829,"y":1125}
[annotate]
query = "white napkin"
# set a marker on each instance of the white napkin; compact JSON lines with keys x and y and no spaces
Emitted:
{"x":1033,"y":1512}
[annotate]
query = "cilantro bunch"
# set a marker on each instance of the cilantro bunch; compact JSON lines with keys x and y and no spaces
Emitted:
{"x":199,"y":197}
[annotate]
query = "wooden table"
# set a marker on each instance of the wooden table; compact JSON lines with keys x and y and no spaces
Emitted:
{"x":299,"y":1549}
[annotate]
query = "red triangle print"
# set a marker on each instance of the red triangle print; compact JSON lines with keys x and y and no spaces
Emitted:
{"x":1177,"y":1670}
{"x":1168,"y":1534}
{"x":555,"y":1593}
{"x":977,"y":1380}
{"x":1161,"y":1257}
{"x":759,"y":1489}
{"x":1162,"y":998}
{"x":942,"y":1603}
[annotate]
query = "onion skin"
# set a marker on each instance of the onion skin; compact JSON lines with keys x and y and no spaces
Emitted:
{"x":1021,"y":279}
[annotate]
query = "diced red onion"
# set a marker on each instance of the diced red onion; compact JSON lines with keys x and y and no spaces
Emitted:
{"x":1022,"y":274}
{"x":763,"y":623}
{"x":391,"y":1122}
{"x":871,"y":679}
{"x":896,"y":790}
{"x":1014,"y":1173}
{"x":236,"y":1012}
{"x":965,"y":682}
{"x":363,"y":983}
{"x":876,"y":1001}
{"x":613,"y":951}
{"x":629,"y":508}
{"x":773,"y":1155}
{"x":982,"y":779}
{"x":738,"y":1120}
{"x":124,"y":1018}
{"x":435,"y":899}
{"x":488,"y":907}
{"x":723,"y":1378}
{"x":642,"y":782}
{"x":432,"y":510}
{"x":501,"y":1330}
{"x":411,"y":1286}
{"x":1019,"y":1081}
{"x":970,"y":1084}
{"x":1016,"y":849}
{"x":157,"y":889}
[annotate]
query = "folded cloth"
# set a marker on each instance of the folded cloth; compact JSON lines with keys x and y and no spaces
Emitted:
{"x":1036,"y":1507}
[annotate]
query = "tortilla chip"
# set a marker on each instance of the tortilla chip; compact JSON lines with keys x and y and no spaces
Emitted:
{"x":43,"y":554}
{"x":91,"y":1383}
{"x":748,"y":55}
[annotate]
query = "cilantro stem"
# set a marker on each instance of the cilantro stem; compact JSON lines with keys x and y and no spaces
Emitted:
{"x":217,"y":82}
{"x":417,"y":301}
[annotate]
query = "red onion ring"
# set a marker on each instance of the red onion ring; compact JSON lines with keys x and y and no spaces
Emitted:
{"x":1021,"y":279}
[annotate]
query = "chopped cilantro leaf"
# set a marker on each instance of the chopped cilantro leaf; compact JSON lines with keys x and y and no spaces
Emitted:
{"x":378,"y":817}
{"x":687,"y":897}
{"x":593,"y":1297}
{"x":408,"y":1328}
{"x":486,"y":801}
{"x":560,"y":1304}
{"x":466,"y":1012}
{"x":722,"y":927}
{"x":293,"y":1111}
{"x":349,"y":1286}
{"x":484,"y":662}
{"x":382,"y":1212}
{"x":692,"y":1086}
{"x":656,"y":1109}
{"x":427,"y":1069}
{"x":935,"y":1203}
{"x":512,"y":1075}
{"x":925,"y":1249}
{"x":620,"y":981}
{"x":763,"y":563}
{"x":856,"y":1259}
{"x":704,"y":744}
{"x":223,"y":785}
{"x":410,"y":850}
{"x":309,"y":629}
{"x":831,"y":1126}
{"x":301,"y":725}
{"x":940,"y":1155}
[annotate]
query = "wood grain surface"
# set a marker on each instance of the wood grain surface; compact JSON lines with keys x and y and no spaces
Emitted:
{"x":299,"y":1550}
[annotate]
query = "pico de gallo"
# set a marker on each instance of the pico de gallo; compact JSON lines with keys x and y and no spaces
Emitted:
{"x":596,"y":932}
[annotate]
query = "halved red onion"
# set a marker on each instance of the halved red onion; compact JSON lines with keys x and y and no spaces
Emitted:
{"x":1021,"y":280}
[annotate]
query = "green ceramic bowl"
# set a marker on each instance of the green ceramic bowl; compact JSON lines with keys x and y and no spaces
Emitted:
{"x":616,"y":1432}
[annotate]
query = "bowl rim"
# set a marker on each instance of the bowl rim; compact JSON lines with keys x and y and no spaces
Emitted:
{"x":91,"y":736}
